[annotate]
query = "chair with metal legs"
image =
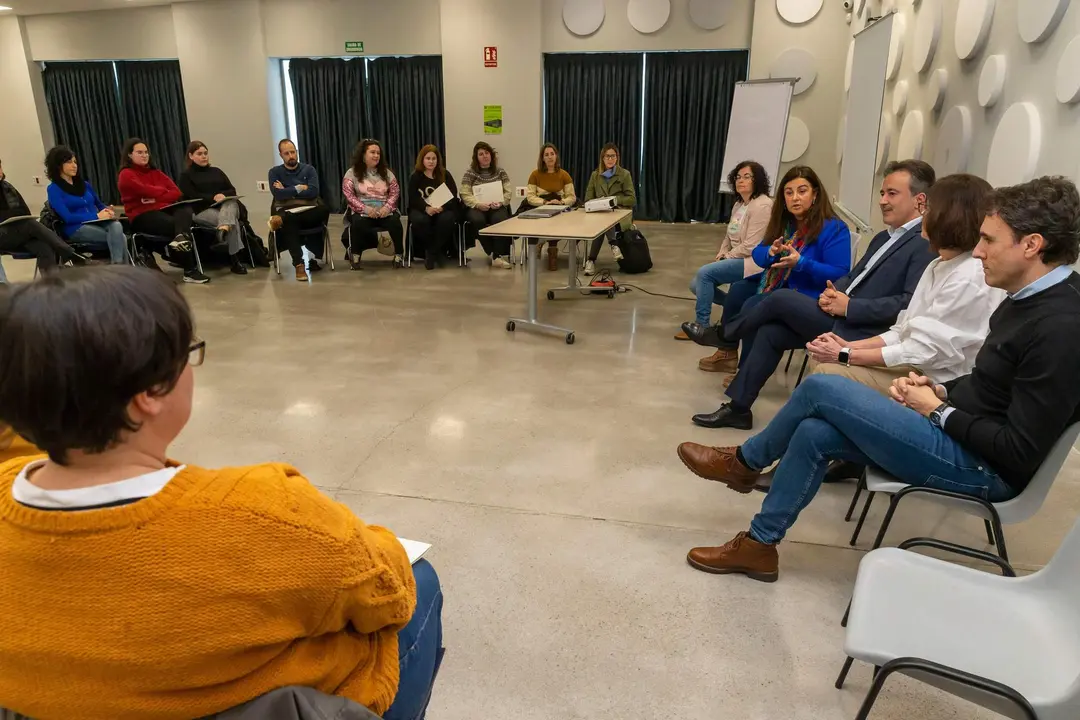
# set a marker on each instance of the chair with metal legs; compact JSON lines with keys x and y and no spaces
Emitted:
{"x":1020,"y":508}
{"x":328,"y":253}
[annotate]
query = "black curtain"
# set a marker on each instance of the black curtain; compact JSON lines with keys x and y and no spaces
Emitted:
{"x":591,"y":99}
{"x":85,"y":113}
{"x":331,"y":116}
{"x":152,"y":102}
{"x":406,"y":105}
{"x":687,"y":106}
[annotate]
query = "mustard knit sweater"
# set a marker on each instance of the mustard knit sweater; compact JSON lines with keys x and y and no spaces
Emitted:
{"x":224,"y":585}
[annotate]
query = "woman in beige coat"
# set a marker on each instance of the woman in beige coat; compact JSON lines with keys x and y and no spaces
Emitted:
{"x":745,"y":231}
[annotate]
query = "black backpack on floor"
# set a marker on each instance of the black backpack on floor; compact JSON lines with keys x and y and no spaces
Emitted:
{"x":635,"y":250}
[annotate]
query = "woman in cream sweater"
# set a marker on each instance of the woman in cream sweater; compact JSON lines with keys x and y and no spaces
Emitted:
{"x":151,"y":588}
{"x":745,"y":231}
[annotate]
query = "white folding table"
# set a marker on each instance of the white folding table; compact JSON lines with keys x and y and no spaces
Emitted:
{"x":574,"y":225}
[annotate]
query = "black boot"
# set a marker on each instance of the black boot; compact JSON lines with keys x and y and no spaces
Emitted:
{"x":726,"y":416}
{"x":236,"y":268}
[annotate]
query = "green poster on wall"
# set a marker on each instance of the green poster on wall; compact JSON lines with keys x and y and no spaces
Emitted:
{"x":354,"y":46}
{"x":493,"y":120}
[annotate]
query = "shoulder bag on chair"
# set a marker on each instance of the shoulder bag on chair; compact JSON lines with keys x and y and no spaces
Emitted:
{"x":635,"y":250}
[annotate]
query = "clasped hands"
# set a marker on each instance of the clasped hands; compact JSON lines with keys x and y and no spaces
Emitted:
{"x":832,"y":301}
{"x":106,"y":214}
{"x":918,"y":392}
{"x":791,"y":257}
{"x":377,"y":212}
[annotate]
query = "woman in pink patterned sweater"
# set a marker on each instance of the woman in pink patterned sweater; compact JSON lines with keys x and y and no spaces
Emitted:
{"x":373,"y":194}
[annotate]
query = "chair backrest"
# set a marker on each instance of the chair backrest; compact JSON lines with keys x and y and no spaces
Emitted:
{"x":1027,"y":503}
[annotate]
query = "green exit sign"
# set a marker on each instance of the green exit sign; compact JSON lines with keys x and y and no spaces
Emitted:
{"x":354,"y":47}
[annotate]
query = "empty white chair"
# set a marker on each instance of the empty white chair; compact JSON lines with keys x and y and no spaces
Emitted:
{"x":1017,"y":510}
{"x":1008,"y":644}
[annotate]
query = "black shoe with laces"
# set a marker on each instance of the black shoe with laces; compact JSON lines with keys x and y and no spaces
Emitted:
{"x":196,"y":277}
{"x":726,"y":416}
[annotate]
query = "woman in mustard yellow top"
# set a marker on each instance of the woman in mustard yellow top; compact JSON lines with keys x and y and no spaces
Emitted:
{"x":549,"y":184}
{"x":148,"y":588}
{"x":13,"y":446}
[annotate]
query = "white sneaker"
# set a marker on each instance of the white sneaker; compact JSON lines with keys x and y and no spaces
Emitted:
{"x":590,"y":268}
{"x":616,"y":252}
{"x":500,"y":262}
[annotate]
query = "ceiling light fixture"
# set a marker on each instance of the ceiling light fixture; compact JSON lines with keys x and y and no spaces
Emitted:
{"x":4,"y":8}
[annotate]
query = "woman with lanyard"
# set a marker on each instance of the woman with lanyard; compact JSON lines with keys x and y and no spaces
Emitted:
{"x":810,"y":247}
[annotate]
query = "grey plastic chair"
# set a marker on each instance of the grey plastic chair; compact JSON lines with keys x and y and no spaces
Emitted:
{"x":1010,"y":512}
{"x":1008,"y":644}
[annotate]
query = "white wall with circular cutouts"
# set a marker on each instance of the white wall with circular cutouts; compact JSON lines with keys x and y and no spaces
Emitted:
{"x":910,"y":144}
{"x":896,"y":47}
{"x":900,"y":97}
{"x":973,"y":21}
{"x":992,"y":80}
{"x":711,"y":14}
{"x":848,"y":65}
{"x":841,"y":136}
{"x":583,"y":17}
{"x":936,"y":89}
{"x":1015,"y":149}
{"x":796,"y":141}
{"x":798,"y":12}
{"x":795,"y":63}
{"x":885,"y":142}
{"x":954,"y":142}
{"x":648,"y":16}
{"x":927,"y":35}
{"x":1067,"y":79}
{"x":1037,"y":19}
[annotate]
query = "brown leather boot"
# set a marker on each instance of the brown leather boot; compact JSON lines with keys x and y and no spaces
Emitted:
{"x":719,"y":464}
{"x":553,"y":257}
{"x":301,"y":273}
{"x":274,"y":223}
{"x":725,"y":361}
{"x":742,"y":554}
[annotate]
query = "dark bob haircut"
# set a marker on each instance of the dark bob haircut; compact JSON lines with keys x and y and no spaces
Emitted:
{"x":953,"y":215}
{"x":77,"y":347}
{"x":761,"y":178}
{"x":1047,"y":206}
{"x":55,"y":160}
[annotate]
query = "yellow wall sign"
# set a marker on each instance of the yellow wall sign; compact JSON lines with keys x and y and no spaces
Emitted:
{"x":493,"y":120}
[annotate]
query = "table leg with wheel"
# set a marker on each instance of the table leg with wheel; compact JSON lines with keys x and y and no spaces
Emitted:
{"x":530,"y":321}
{"x":572,"y":285}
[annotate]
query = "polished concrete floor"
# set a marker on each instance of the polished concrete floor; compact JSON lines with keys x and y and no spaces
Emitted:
{"x":546,"y":477}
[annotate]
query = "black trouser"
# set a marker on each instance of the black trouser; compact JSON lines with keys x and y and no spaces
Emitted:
{"x":432,"y":234}
{"x":364,"y":229}
{"x":480,"y":219}
{"x":597,"y":243}
{"x":783,"y":320}
{"x":33,"y":237}
{"x":292,"y":224}
{"x":167,"y":224}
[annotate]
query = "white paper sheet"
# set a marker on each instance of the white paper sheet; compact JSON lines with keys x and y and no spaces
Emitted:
{"x":414,"y":549}
{"x":301,"y":209}
{"x":440,"y":196}
{"x":488,"y":193}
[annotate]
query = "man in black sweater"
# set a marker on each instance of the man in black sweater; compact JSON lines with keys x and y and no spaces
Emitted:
{"x":28,"y":235}
{"x":984,"y":434}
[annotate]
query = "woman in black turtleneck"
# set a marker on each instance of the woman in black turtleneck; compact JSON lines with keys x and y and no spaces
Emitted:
{"x":202,"y":181}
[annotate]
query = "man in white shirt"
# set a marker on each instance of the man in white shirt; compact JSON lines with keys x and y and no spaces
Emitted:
{"x":862,"y":304}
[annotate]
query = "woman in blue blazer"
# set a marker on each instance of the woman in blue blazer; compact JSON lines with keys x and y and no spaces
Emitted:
{"x":87,"y":220}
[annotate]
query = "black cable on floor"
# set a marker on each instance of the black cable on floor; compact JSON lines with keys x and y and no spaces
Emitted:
{"x":656,"y":294}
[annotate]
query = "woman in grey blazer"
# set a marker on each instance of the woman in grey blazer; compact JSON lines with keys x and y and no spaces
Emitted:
{"x":745,"y":231}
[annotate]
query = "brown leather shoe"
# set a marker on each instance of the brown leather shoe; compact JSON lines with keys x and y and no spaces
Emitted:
{"x":274,"y":223}
{"x":742,"y":554}
{"x":719,"y":464}
{"x":553,"y":257}
{"x":681,"y":336}
{"x":725,"y":361}
{"x":301,"y":273}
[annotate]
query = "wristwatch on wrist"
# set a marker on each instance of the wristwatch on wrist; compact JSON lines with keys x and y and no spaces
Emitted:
{"x":937,"y":415}
{"x":844,"y":356}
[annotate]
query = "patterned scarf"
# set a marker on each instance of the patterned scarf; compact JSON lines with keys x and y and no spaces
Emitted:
{"x":775,"y":277}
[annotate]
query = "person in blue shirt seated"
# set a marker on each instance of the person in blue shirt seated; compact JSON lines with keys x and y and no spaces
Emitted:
{"x":296,"y":185}
{"x":863,"y":303}
{"x":87,"y":220}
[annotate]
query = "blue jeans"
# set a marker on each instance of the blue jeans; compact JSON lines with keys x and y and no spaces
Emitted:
{"x":109,"y":235}
{"x":420,"y":648}
{"x":707,"y":278}
{"x":834,"y":418}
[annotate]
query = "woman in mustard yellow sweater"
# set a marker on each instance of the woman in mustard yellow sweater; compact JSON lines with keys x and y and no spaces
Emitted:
{"x":142,"y":587}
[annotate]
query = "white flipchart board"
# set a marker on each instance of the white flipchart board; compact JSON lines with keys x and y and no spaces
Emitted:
{"x":758,"y":125}
{"x":864,"y":102}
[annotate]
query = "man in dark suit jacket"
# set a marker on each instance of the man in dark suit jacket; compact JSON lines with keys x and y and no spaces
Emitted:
{"x":862,"y":304}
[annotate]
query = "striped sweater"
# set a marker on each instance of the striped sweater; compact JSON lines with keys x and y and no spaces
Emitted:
{"x":486,"y":175}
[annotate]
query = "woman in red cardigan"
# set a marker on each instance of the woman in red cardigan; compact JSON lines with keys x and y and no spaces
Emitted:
{"x":147,"y":194}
